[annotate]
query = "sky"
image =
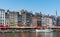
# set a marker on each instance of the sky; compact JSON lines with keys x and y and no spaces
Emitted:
{"x":45,"y":6}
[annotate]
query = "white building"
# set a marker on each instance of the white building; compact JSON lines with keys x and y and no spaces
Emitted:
{"x":43,"y":21}
{"x":2,"y":17}
{"x":46,"y":21}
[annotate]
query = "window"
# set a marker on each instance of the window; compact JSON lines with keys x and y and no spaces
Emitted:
{"x":1,"y":23}
{"x":27,"y":20}
{"x":28,"y":24}
{"x":39,"y":23}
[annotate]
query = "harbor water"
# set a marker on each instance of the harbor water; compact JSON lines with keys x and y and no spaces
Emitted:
{"x":29,"y":33}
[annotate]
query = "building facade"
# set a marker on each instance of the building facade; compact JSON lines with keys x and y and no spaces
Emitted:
{"x":43,"y":20}
{"x":2,"y":17}
{"x":54,"y":20}
{"x":26,"y":18}
{"x":39,"y":19}
{"x":11,"y":18}
{"x":46,"y":20}
{"x":34,"y":21}
{"x":6,"y":18}
{"x":58,"y":21}
{"x":20,"y":20}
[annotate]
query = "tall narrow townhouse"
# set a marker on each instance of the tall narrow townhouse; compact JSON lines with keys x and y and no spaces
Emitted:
{"x":19,"y":19}
{"x":6,"y":18}
{"x":34,"y":21}
{"x":39,"y":19}
{"x":2,"y":17}
{"x":43,"y":20}
{"x":48,"y":21}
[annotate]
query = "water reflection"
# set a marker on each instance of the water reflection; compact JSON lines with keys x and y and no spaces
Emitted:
{"x":29,"y":34}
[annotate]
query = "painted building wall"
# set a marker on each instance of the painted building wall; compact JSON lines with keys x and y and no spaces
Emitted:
{"x":12,"y":18}
{"x":2,"y":17}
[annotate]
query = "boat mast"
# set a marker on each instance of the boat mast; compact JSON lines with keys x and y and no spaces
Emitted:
{"x":56,"y":17}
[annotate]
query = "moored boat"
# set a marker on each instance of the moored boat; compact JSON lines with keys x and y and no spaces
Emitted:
{"x":44,"y":30}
